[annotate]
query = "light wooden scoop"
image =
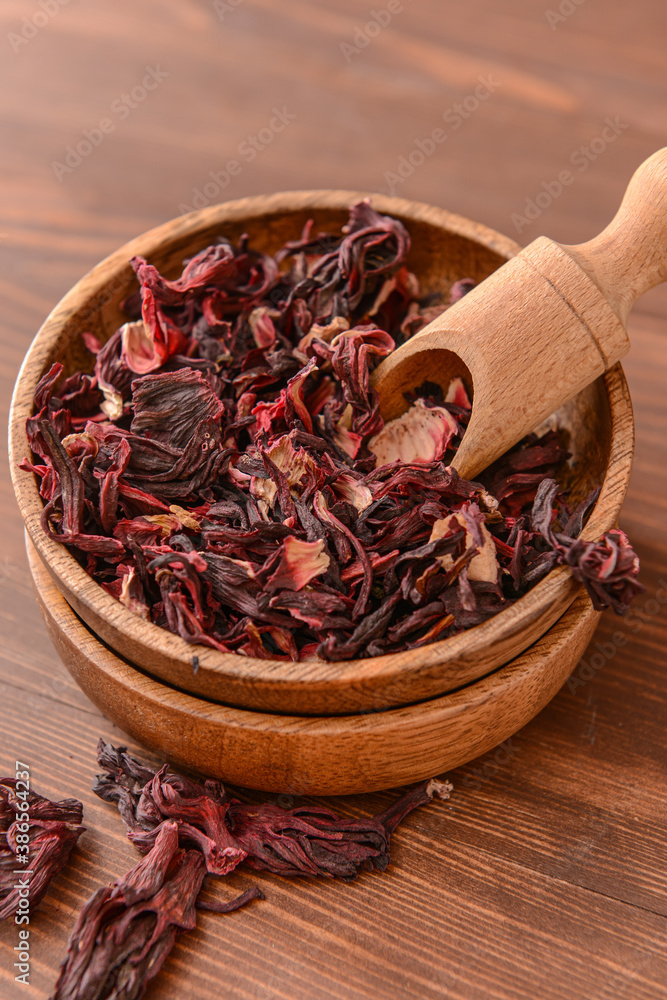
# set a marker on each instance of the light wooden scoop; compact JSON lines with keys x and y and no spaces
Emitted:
{"x":541,"y":327}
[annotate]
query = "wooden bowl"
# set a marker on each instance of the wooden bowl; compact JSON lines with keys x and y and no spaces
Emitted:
{"x":307,"y":755}
{"x":597,"y":425}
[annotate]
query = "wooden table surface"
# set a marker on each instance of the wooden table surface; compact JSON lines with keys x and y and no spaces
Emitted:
{"x":545,"y":875}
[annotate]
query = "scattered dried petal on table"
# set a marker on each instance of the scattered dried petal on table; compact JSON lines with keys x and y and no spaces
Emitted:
{"x":37,"y":835}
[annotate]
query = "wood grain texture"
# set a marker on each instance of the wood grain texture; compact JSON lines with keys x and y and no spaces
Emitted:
{"x":544,"y":875}
{"x":315,"y":755}
{"x":596,"y":426}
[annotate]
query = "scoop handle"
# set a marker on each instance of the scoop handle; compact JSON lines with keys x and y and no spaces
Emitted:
{"x":539,"y":329}
{"x":630,"y":256}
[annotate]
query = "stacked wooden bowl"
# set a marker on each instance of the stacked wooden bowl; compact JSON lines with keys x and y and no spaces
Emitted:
{"x":315,"y":727}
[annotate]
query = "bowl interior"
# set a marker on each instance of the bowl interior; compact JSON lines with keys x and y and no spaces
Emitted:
{"x":438,"y":257}
{"x":595,"y":426}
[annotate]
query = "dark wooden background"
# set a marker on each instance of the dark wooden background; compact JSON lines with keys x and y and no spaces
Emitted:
{"x":545,"y":874}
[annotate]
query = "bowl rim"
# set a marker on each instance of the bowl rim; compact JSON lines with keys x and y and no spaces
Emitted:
{"x":307,"y":755}
{"x":277,"y":674}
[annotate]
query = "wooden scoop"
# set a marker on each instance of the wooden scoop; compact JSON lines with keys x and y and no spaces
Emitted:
{"x":541,"y":327}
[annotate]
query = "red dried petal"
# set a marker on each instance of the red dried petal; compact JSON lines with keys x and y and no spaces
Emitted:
{"x":254,"y":442}
{"x":300,"y":562}
{"x":53,"y":829}
{"x":422,"y":434}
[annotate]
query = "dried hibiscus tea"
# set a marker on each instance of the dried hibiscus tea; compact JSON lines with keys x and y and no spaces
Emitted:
{"x":608,"y":568}
{"x":37,"y":837}
{"x":305,"y":840}
{"x":187,"y":829}
{"x":126,"y":930}
{"x":146,"y":799}
{"x":310,"y":840}
{"x":225,"y":471}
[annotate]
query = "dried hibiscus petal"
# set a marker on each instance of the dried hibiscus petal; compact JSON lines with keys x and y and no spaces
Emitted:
{"x":314,"y":841}
{"x":422,"y":434}
{"x":300,"y":562}
{"x":200,"y":812}
{"x":227,"y":474}
{"x":146,"y":799}
{"x":36,"y":836}
{"x":126,"y":930}
{"x":305,"y":840}
{"x":484,"y":563}
{"x":607,"y":568}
